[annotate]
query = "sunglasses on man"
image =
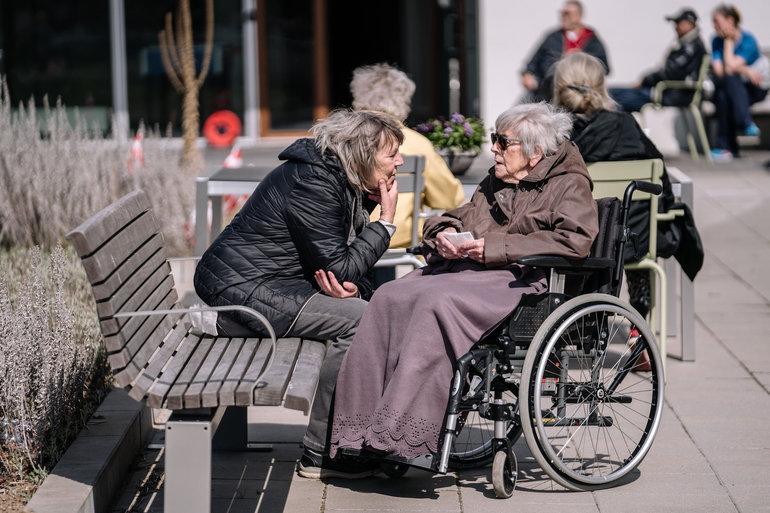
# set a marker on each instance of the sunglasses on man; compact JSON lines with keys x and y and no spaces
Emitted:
{"x":502,"y":140}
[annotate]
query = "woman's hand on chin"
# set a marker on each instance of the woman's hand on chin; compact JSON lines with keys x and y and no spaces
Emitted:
{"x":331,"y":287}
{"x":387,"y":197}
{"x":473,"y":249}
{"x":446,"y":249}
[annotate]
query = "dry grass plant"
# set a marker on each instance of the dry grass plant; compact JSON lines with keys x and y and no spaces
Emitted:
{"x":53,"y":370}
{"x":54,"y":175}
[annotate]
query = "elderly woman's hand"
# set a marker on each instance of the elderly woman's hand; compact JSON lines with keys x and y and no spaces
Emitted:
{"x":446,"y":249}
{"x":387,"y":197}
{"x":331,"y":287}
{"x":473,"y":249}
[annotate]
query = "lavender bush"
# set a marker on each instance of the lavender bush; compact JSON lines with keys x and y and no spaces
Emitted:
{"x":53,"y":372}
{"x":54,"y":175}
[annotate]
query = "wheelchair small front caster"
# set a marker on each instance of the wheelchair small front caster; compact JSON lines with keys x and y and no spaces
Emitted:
{"x":394,"y":470}
{"x":505,"y":470}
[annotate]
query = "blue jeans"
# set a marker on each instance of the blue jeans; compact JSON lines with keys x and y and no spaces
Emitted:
{"x":733,"y":98}
{"x":631,"y":99}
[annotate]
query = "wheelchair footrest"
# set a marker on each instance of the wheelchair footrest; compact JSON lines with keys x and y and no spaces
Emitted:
{"x":427,"y":462}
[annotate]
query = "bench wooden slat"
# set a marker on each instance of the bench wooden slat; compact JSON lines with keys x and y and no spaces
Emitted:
{"x":160,"y":388}
{"x":251,"y":351}
{"x":175,"y":397}
{"x":192,"y":396}
{"x":157,"y":361}
{"x":152,"y":251}
{"x":210,"y":394}
{"x":277,"y":377}
{"x":299,"y":394}
{"x":244,"y":392}
{"x":92,"y":233}
{"x":134,"y":291}
{"x":115,"y":251}
{"x":151,"y":333}
{"x":116,"y":336}
{"x":152,"y":271}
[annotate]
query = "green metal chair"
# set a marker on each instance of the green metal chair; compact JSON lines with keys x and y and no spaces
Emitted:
{"x":694,"y":107}
{"x":610,"y":179}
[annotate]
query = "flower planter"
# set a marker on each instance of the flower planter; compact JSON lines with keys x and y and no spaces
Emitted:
{"x":458,"y":161}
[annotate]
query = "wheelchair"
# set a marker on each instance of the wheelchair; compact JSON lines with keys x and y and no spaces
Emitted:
{"x":575,"y":370}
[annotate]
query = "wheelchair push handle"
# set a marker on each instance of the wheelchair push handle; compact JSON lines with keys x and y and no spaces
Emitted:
{"x":642,"y":186}
{"x":649,"y":187}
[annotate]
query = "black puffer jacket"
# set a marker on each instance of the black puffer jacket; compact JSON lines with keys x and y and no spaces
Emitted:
{"x":303,"y":217}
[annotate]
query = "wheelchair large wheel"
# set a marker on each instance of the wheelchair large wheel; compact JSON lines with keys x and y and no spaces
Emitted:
{"x":591,"y":392}
{"x":472,"y":447}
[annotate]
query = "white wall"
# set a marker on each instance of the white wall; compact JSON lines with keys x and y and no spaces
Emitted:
{"x":634,"y":33}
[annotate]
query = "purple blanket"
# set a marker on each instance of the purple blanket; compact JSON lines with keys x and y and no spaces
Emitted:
{"x":393,"y":387}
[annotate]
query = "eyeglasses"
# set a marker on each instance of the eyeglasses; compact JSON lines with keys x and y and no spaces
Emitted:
{"x":502,"y":140}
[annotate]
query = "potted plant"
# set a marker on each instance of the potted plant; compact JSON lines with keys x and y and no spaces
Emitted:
{"x":457,"y":139}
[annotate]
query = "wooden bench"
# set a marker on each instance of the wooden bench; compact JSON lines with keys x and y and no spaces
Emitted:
{"x":208,"y":381}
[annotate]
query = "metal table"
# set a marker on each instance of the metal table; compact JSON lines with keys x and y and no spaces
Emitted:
{"x":683,"y":191}
{"x":237,"y":181}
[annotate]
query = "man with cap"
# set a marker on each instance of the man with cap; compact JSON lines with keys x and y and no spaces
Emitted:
{"x":683,"y":62}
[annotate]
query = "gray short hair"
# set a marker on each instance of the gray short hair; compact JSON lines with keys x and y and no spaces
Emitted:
{"x":384,"y":88}
{"x":539,"y":126}
{"x":355,"y":137}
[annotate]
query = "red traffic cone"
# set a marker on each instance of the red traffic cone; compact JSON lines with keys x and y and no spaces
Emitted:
{"x":234,"y":159}
{"x":136,"y":155}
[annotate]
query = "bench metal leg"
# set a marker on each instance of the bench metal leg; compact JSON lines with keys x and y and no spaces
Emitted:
{"x":232,"y":433}
{"x":188,"y":463}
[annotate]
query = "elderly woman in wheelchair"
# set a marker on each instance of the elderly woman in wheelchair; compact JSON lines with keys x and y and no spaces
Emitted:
{"x":517,"y":329}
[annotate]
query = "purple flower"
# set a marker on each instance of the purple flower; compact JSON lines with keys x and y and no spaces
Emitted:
{"x":448,"y":130}
{"x":468,"y":129}
{"x":457,"y":118}
{"x":423,"y":127}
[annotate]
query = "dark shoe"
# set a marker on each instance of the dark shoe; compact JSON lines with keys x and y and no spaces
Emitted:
{"x":314,"y":465}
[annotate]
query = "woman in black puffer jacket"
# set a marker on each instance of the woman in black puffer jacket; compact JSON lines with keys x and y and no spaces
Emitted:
{"x":604,"y":134}
{"x":301,"y":250}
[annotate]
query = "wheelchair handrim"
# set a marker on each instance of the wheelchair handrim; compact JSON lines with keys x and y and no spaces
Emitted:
{"x":653,"y":421}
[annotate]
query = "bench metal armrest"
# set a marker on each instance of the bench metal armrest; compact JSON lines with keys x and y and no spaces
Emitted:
{"x":399,"y":256}
{"x":183,"y":259}
{"x":181,"y":312}
{"x":567,"y":264}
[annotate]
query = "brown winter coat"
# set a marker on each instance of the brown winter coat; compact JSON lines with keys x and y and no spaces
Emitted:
{"x":551,"y":211}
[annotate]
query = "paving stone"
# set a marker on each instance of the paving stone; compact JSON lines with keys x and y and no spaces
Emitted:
{"x":620,"y":499}
{"x":416,"y":491}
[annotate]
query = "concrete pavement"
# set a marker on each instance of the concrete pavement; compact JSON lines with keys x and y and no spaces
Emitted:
{"x":712,"y":453}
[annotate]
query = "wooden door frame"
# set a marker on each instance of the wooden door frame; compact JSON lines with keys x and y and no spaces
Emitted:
{"x":320,"y":70}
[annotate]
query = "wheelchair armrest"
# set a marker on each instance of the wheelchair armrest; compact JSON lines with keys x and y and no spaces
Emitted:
{"x":670,"y":215}
{"x":567,"y":264}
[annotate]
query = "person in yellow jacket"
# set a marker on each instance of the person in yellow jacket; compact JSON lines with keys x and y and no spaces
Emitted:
{"x":383,"y":88}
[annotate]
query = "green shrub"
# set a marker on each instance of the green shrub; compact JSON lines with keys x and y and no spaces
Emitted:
{"x":52,"y":179}
{"x":53,"y":370}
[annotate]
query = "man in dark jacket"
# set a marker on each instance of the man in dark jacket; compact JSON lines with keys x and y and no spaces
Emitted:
{"x":306,"y":227}
{"x":683,"y":62}
{"x":572,"y":36}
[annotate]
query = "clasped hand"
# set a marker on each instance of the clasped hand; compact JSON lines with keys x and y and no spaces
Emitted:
{"x":473,"y":249}
{"x":331,"y":287}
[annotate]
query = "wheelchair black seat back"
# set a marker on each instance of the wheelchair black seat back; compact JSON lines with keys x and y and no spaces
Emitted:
{"x":576,"y":370}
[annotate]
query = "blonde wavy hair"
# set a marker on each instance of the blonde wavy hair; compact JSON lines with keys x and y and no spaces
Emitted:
{"x":355,"y":137}
{"x":578,"y":84}
{"x":384,"y":88}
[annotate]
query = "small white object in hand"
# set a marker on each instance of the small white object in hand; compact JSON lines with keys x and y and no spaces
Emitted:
{"x":458,"y":238}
